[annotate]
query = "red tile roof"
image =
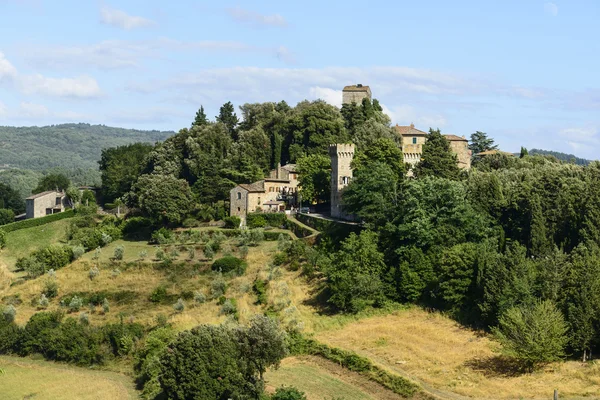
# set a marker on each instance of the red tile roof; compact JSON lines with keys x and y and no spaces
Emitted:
{"x":409,"y":130}
{"x":258,"y":186}
{"x":454,"y":138}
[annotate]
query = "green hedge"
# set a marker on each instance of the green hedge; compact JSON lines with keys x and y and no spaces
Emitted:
{"x":300,"y":345}
{"x":299,"y":230}
{"x":33,"y":222}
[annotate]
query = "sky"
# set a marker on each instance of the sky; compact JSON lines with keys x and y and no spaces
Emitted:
{"x":523,"y":71}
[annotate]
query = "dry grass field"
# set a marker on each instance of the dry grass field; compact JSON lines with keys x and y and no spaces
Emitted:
{"x":452,"y":360}
{"x":22,"y":378}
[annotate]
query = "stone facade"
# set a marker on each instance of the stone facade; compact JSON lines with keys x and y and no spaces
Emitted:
{"x":341,"y":175}
{"x":413,"y":140}
{"x":271,"y":194}
{"x":460,"y":146}
{"x":45,"y":203}
{"x":355,"y":94}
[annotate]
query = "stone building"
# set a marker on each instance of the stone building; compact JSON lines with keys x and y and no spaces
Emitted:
{"x":341,"y":175}
{"x":413,"y":140}
{"x":460,"y":146}
{"x":45,"y":203}
{"x":272,"y":194}
{"x":355,"y":94}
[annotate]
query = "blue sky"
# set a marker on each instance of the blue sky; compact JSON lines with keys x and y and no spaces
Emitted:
{"x":525,"y":72}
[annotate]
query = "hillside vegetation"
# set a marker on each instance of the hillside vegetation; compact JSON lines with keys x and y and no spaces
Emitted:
{"x":68,"y":146}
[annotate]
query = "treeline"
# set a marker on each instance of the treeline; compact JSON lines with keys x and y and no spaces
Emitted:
{"x":570,"y":158}
{"x":192,"y":172}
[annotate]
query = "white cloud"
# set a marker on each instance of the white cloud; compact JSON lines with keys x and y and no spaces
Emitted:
{"x":121,"y":19}
{"x":33,"y":111}
{"x":111,"y":54}
{"x":581,"y":138}
{"x":80,"y":87}
{"x":331,"y":96}
{"x":256,"y":19}
{"x":406,"y":115}
{"x":2,"y":109}
{"x":551,"y":9}
{"x":7,"y":70}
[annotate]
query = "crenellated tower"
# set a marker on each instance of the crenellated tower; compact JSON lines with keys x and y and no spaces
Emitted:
{"x":341,"y":175}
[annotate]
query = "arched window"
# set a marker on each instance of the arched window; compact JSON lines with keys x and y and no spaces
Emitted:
{"x":239,"y":195}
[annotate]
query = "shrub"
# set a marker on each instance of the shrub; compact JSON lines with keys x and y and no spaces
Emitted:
{"x":84,"y":318}
{"x":97,"y":253}
{"x":179,"y":306}
{"x":288,"y":393}
{"x":162,"y":236}
{"x":279,"y":259}
{"x":232,"y":222}
{"x":254,"y":220}
{"x":230,"y":264}
{"x":54,"y":256}
{"x":75,"y":304}
{"x":174,"y":253}
{"x":191,"y":253}
{"x":32,"y":266}
{"x":218,"y":286}
{"x":147,"y":364}
{"x":43,"y":301}
{"x":137,"y":227}
{"x":9,"y":313}
{"x":143,"y":254}
{"x":190,"y":223}
{"x":260,"y":289}
{"x":160,"y":254}
{"x":106,"y":238}
{"x":93,"y":273}
{"x":6,"y":216}
{"x":229,"y":307}
{"x":50,"y":288}
{"x":209,"y":253}
{"x":199,"y":297}
{"x":119,"y":253}
{"x":2,"y":239}
{"x":158,"y":294}
{"x":283,"y":242}
{"x":105,"y":306}
{"x":161,"y":320}
{"x":78,"y":251}
{"x":244,"y":252}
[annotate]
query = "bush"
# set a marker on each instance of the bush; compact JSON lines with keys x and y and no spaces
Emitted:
{"x":84,"y":318}
{"x":230,"y":264}
{"x":32,"y":266}
{"x":9,"y":313}
{"x":199,"y":297}
{"x":137,"y":227}
{"x":159,"y":294}
{"x":255,"y":220}
{"x":208,"y":251}
{"x":105,"y":306}
{"x":2,"y":239}
{"x":75,"y":304}
{"x":279,"y":259}
{"x":78,"y":251}
{"x":106,"y":238}
{"x":54,"y":256}
{"x":229,"y":307}
{"x":260,"y":289}
{"x":146,"y":363}
{"x":161,"y":236}
{"x":50,"y":288}
{"x":218,"y":286}
{"x":288,"y":393}
{"x":190,"y":223}
{"x":179,"y":306}
{"x":6,"y":216}
{"x":43,"y":301}
{"x":232,"y":222}
{"x":93,"y":273}
{"x":119,"y":253}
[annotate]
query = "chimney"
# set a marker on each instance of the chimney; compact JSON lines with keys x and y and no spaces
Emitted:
{"x":412,"y":126}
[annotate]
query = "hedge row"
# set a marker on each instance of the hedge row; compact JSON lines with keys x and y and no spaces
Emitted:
{"x":300,"y":345}
{"x":30,"y":223}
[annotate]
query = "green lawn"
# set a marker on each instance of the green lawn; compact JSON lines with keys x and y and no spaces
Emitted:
{"x":23,"y":378}
{"x":22,"y":242}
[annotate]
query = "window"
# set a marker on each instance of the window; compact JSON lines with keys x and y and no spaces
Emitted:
{"x":239,"y":209}
{"x":414,"y":140}
{"x":239,"y":195}
{"x":259,"y":201}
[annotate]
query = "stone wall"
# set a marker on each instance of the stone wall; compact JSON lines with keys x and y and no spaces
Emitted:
{"x":341,"y":175}
{"x":463,"y":153}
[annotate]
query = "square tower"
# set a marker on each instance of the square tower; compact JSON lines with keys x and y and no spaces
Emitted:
{"x":341,"y":175}
{"x":355,"y":94}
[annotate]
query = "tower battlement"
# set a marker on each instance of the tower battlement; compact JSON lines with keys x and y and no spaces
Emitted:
{"x":341,"y":150}
{"x":341,"y":174}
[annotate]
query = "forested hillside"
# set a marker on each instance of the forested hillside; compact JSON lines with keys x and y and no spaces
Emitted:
{"x":561,"y":156}
{"x":67,"y":146}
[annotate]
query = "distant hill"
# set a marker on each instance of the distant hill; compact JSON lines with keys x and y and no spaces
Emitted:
{"x":561,"y":156}
{"x":68,"y":146}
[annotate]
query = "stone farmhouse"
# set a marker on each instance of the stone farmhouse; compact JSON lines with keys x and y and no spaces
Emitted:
{"x":413,"y":140}
{"x":269,"y":195}
{"x":45,"y":203}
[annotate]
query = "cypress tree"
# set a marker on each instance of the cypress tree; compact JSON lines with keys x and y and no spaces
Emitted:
{"x":200,"y":119}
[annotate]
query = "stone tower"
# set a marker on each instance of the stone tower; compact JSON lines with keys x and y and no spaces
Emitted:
{"x":355,"y":94}
{"x":341,"y":175}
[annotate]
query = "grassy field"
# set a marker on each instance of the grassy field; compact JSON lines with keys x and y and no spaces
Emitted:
{"x":22,"y":378}
{"x":320,"y":379}
{"x":447,"y":358}
{"x":22,"y":242}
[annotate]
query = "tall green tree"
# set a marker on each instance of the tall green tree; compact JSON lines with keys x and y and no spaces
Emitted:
{"x":480,"y":142}
{"x":164,"y":198}
{"x":314,"y":178}
{"x":437,"y":158}
{"x":11,"y":199}
{"x":201,"y":118}
{"x":533,"y":334}
{"x":120,"y":167}
{"x":228,"y":117}
{"x":52,"y":182}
